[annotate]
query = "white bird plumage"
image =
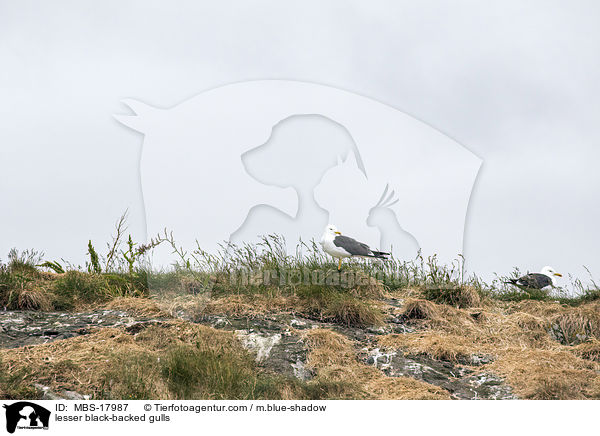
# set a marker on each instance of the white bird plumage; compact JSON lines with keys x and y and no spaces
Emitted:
{"x":546,"y":278}
{"x":549,"y":271}
{"x":340,"y":247}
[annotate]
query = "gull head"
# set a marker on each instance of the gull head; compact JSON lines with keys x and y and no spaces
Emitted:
{"x":549,"y":271}
{"x":332,"y":230}
{"x":330,"y":233}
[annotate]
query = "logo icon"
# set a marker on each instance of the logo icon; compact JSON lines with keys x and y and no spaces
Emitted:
{"x":26,"y":415}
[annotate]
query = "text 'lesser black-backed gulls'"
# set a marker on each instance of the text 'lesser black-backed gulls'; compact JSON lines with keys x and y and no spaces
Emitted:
{"x":339,"y":246}
{"x":545,"y":278}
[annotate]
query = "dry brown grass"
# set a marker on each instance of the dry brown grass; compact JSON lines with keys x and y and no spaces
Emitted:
{"x":111,"y":362}
{"x":543,"y":309}
{"x":33,"y":298}
{"x":578,"y":324}
{"x":138,"y":306}
{"x":403,"y":388}
{"x":588,"y":350}
{"x":71,"y":364}
{"x":406,"y":293}
{"x":427,"y":314}
{"x":168,"y":360}
{"x":457,"y":296}
{"x":190,"y":305}
{"x":420,"y":309}
{"x":328,"y":349}
{"x":197,"y":305}
{"x":252,"y":306}
{"x":30,"y":292}
{"x":438,"y":346}
{"x":468,"y":297}
{"x":483,"y":332}
{"x":341,"y":308}
{"x":334,"y":359}
{"x":548,"y":374}
{"x":516,"y":336}
{"x":367,"y":286}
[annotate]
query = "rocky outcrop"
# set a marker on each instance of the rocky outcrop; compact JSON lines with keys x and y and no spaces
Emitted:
{"x":463,"y":383}
{"x":276,"y":342}
{"x":272,"y":340}
{"x":22,"y":328}
{"x":278,"y":345}
{"x":47,"y":394}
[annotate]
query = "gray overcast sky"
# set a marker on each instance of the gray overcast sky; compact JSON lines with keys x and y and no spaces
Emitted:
{"x":515,"y":82}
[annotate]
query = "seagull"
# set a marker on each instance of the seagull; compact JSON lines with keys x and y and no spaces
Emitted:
{"x":339,"y":246}
{"x":546,"y":277}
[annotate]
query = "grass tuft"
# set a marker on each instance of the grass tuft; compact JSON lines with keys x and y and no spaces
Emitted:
{"x":588,"y":350}
{"x":420,"y":309}
{"x":457,"y":296}
{"x":577,"y":325}
{"x":338,"y":306}
{"x":75,"y":288}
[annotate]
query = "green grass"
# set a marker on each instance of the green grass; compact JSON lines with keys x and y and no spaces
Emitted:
{"x":337,"y":306}
{"x":23,"y":286}
{"x":24,"y":262}
{"x":585,"y":296}
{"x":457,"y":296}
{"x":202,"y":372}
{"x":196,"y":372}
{"x":75,"y":288}
{"x":15,"y":384}
{"x":520,"y":295}
{"x":131,"y":376}
{"x":264,"y":268}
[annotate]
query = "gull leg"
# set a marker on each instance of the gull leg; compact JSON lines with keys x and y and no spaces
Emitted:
{"x":340,"y":265}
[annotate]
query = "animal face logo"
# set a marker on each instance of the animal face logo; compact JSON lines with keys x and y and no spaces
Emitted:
{"x":286,"y":157}
{"x":25,"y":414}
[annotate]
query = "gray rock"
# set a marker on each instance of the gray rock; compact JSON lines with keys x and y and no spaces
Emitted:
{"x":72,"y":395}
{"x":23,"y":328}
{"x":568,"y":338}
{"x":299,"y":324}
{"x":276,"y":342}
{"x":48,"y":394}
{"x":461,"y":382}
{"x":259,"y":344}
{"x":301,"y":372}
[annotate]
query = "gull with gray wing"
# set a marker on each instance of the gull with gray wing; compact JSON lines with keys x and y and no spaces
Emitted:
{"x":545,"y":278}
{"x":339,"y":246}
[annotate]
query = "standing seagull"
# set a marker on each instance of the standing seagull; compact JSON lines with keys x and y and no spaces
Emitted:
{"x":546,"y":277}
{"x":339,"y":246}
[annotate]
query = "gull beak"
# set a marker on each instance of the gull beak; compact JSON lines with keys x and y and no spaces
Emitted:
{"x":558,"y":274}
{"x":338,"y":233}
